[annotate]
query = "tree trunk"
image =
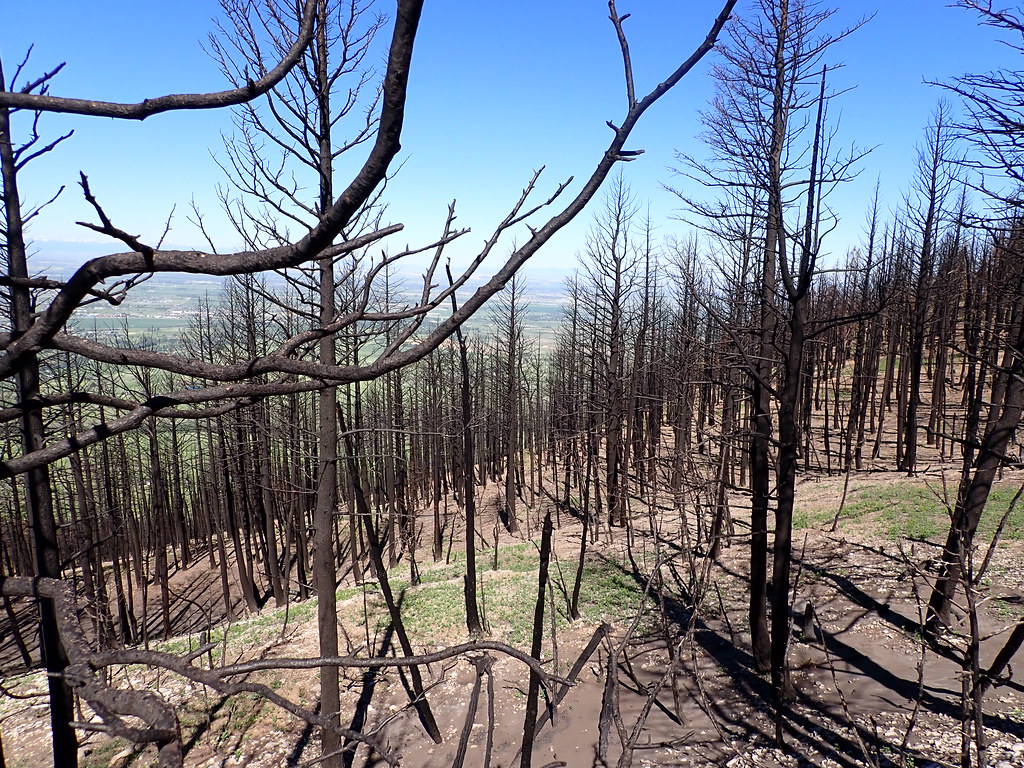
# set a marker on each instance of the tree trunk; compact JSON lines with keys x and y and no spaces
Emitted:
{"x":37,"y":481}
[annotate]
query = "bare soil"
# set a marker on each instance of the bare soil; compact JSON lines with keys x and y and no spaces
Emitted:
{"x":867,"y":690}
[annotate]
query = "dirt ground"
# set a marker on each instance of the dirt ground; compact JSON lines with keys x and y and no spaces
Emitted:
{"x":867,"y":690}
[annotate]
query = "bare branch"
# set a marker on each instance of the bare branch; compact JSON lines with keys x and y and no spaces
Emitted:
{"x":45,"y":103}
{"x":624,"y":47}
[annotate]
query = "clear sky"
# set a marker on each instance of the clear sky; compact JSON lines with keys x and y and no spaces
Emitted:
{"x":499,"y":89}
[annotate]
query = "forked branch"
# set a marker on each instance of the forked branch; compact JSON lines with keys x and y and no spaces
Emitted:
{"x":43,"y":102}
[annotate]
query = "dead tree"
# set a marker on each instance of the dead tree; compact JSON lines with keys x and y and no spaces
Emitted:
{"x":763,"y":147}
{"x":983,"y":458}
{"x":285,"y":369}
{"x":508,"y":317}
{"x":932,"y":183}
{"x":39,"y":495}
{"x":995,"y":119}
{"x":305,"y":119}
{"x":612,"y":261}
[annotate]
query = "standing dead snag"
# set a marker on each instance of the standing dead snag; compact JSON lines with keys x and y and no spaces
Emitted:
{"x":305,"y":120}
{"x":993,"y":102}
{"x":797,"y":282}
{"x":533,"y":693}
{"x":613,"y":265}
{"x":508,"y":317}
{"x":774,"y":162}
{"x":202,"y":389}
{"x":933,"y":182}
{"x":46,"y":549}
{"x":979,"y":472}
{"x":468,"y":461}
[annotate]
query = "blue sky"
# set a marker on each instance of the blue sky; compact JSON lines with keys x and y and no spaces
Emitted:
{"x":499,"y":89}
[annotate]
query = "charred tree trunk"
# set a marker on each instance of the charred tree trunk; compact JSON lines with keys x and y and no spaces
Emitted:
{"x":37,"y":481}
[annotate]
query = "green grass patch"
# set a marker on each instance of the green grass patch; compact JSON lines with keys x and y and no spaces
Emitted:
{"x":252,"y":630}
{"x":1006,"y":610}
{"x":999,"y":501}
{"x":902,"y":510}
{"x":436,"y":607}
{"x":909,"y":511}
{"x":917,"y":511}
{"x":432,"y":607}
{"x":242,"y":711}
{"x":802,"y":519}
{"x":859,"y":504}
{"x":512,"y":557}
{"x":607,"y":593}
{"x":509,"y":603}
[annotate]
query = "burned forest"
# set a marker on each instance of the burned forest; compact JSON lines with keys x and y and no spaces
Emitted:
{"x":740,"y":490}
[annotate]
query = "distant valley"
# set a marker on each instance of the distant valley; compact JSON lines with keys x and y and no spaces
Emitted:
{"x":162,"y":306}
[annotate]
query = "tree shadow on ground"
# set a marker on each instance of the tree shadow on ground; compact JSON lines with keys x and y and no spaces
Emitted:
{"x":812,"y":724}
